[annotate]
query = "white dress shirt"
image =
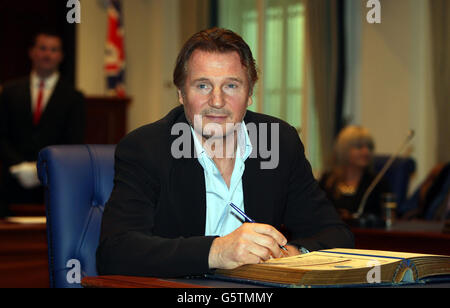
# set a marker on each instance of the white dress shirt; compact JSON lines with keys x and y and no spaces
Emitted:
{"x":221,"y":219}
{"x":49,"y":85}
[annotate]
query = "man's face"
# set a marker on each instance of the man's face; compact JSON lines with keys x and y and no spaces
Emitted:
{"x":46,"y":54}
{"x":217,"y":89}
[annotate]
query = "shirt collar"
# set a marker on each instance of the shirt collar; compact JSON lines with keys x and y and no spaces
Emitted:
{"x":50,"y":81}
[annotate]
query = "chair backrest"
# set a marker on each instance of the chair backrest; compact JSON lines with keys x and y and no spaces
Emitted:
{"x":78,"y":181}
{"x":398,"y":175}
{"x":429,"y":201}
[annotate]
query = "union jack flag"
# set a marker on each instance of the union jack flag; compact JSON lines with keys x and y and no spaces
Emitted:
{"x":115,"y":50}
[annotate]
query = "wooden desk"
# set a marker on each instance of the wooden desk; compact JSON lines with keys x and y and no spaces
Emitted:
{"x":405,"y":236}
{"x":133,"y":282}
{"x":147,"y":283}
{"x":24,"y":259}
{"x":207,"y":285}
{"x":27,"y":210}
{"x":23,"y":255}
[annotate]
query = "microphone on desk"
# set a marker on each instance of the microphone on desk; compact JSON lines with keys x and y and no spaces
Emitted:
{"x":357,"y":217}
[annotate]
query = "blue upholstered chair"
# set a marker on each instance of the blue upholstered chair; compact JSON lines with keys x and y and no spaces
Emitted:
{"x":398,"y":176}
{"x":78,"y":181}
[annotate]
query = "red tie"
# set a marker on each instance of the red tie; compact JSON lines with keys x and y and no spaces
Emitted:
{"x":38,"y":110}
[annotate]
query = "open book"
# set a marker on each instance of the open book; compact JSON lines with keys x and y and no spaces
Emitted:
{"x":343,"y":267}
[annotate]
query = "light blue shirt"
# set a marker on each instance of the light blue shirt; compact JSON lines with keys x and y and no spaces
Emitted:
{"x":221,"y":219}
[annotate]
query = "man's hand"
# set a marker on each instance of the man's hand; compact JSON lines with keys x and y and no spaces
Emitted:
{"x":251,"y":243}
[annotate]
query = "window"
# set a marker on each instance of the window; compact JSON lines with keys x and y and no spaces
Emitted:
{"x":275,"y":31}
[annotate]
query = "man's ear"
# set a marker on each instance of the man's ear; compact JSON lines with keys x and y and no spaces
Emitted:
{"x":180,"y":97}
{"x":250,"y":101}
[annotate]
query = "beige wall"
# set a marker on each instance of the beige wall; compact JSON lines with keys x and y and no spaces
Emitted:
{"x":153,"y":36}
{"x":91,"y":35}
{"x":396,"y":82}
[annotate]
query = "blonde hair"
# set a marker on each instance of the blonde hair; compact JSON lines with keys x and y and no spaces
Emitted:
{"x":349,"y":137}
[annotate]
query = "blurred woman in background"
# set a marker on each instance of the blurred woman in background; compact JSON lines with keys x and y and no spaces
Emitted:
{"x":352,"y":173}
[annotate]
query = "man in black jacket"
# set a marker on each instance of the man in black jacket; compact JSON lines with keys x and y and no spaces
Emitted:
{"x":169,"y":213}
{"x":35,"y":112}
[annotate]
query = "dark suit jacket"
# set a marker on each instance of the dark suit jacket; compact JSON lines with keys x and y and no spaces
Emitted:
{"x":62,"y":122}
{"x":154,"y":222}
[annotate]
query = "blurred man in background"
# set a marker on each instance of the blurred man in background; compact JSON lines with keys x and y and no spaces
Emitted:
{"x":36,"y":111}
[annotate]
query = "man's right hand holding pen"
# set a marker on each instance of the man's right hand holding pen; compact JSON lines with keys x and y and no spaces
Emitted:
{"x":251,"y":243}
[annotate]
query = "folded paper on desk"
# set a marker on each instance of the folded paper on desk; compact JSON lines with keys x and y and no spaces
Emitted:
{"x":343,"y":267}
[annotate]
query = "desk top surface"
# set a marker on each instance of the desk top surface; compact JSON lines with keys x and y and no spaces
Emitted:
{"x":23,"y":224}
{"x":148,"y":282}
